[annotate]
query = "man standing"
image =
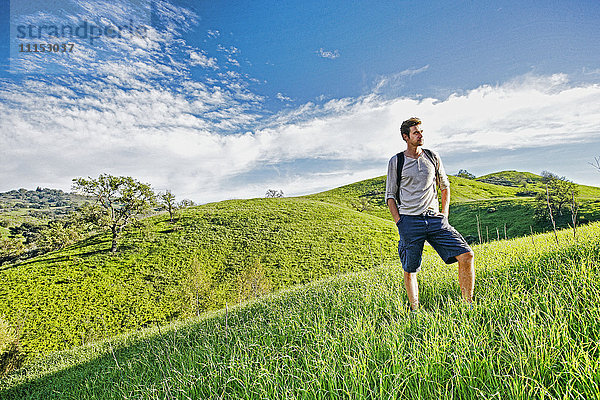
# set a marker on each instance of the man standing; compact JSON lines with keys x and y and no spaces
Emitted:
{"x":413,"y":203}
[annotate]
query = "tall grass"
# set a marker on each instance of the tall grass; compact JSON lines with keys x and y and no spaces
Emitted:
{"x":533,"y":333}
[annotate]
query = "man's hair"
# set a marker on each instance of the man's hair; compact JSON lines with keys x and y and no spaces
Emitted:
{"x":405,"y":127}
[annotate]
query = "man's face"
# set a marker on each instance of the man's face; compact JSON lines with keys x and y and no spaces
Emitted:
{"x":415,"y":136}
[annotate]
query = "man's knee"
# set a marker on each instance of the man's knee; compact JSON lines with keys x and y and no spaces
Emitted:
{"x":466,"y":257}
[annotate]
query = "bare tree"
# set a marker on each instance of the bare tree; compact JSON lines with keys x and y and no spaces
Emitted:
{"x":596,"y":163}
{"x":574,"y":209}
{"x":362,"y":205}
{"x":550,"y":212}
{"x":274,"y":193}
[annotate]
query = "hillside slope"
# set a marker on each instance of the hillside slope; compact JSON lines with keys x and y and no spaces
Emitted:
{"x":373,"y":190}
{"x":223,"y":253}
{"x":532,"y":334}
{"x":214,"y":254}
{"x":501,"y":212}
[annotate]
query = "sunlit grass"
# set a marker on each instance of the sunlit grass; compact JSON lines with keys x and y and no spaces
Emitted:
{"x":533,"y":333}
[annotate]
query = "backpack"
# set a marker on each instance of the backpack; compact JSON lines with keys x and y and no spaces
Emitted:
{"x":429,"y":156}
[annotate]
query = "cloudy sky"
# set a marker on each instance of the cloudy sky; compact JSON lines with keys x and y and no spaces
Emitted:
{"x":226,"y":99}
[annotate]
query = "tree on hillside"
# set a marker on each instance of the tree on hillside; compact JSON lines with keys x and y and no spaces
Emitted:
{"x":560,"y":193}
{"x":463,"y":173}
{"x":119,"y":200}
{"x":361,"y":204}
{"x":167,"y":201}
{"x":274,"y":193}
{"x":185,"y":203}
{"x":10,"y":248}
{"x":61,"y":232}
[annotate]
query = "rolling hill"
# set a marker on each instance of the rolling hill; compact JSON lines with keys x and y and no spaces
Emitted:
{"x":531,"y":334}
{"x":214,"y":254}
{"x":222,"y":253}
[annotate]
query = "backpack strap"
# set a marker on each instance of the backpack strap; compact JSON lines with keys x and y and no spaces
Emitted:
{"x":400,"y":164}
{"x":431,"y":158}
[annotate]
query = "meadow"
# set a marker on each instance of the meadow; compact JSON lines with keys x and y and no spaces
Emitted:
{"x":213,"y":255}
{"x":532,"y":333}
{"x":222,"y":253}
{"x":217,"y":256}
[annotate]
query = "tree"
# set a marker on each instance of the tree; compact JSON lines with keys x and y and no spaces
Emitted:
{"x":362,"y":204}
{"x":186,"y":203}
{"x":11,"y":248}
{"x":274,"y":193}
{"x":119,"y":200}
{"x":597,"y":164}
{"x":463,"y":173}
{"x":60,"y":233}
{"x":560,"y":191}
{"x":167,"y":201}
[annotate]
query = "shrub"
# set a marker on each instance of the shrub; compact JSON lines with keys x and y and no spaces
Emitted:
{"x":253,"y":282}
{"x":11,"y":355}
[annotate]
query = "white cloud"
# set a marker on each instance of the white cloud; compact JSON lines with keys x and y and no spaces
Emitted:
{"x":200,"y":58}
{"x":156,"y":134}
{"x":142,"y":115}
{"x":332,"y":55}
{"x":393,"y":81}
{"x":282,"y":97}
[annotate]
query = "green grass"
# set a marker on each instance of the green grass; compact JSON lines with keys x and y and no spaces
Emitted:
{"x":223,"y":253}
{"x":214,"y":254}
{"x":516,"y":214}
{"x":533,"y":333}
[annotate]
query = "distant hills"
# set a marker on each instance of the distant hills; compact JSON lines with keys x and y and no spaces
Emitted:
{"x":511,"y":178}
{"x":22,"y":205}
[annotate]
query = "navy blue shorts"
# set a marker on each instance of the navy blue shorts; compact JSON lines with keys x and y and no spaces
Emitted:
{"x":415,"y":229}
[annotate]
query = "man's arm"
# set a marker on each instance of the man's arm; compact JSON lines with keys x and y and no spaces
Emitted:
{"x":444,"y":185}
{"x":445,"y":201}
{"x":391,"y":188}
{"x":393,"y":209}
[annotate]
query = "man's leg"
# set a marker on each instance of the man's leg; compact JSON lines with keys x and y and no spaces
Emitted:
{"x":466,"y":275}
{"x":412,"y":289}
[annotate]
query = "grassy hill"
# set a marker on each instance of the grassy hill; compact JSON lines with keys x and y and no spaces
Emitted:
{"x":533,"y":333}
{"x":511,"y":178}
{"x":495,"y":205}
{"x":373,"y":190}
{"x":214,"y":254}
{"x":224,"y":253}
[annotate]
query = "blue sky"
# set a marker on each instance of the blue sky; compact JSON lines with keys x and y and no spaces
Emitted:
{"x":226,"y":99}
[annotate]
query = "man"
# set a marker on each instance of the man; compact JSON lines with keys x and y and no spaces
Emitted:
{"x":415,"y":209}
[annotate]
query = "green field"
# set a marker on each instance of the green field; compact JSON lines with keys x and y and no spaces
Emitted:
{"x":218,"y":255}
{"x":533,"y":333}
{"x":214,"y":254}
{"x":227,"y":252}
